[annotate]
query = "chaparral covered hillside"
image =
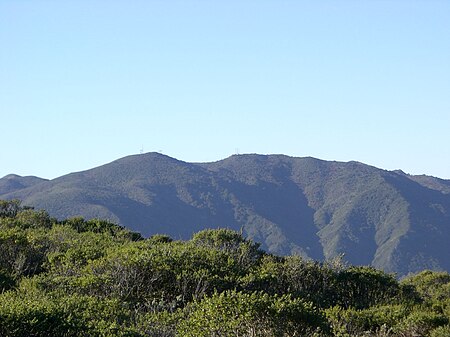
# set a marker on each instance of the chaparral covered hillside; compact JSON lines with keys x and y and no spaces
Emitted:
{"x":317,"y":209}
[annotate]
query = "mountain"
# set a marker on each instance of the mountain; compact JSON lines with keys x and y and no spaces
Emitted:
{"x":319,"y":209}
{"x":13,"y":182}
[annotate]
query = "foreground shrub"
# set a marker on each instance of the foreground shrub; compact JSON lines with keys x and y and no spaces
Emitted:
{"x":421,"y":323}
{"x":352,"y":322}
{"x":442,"y":331}
{"x":257,"y":314}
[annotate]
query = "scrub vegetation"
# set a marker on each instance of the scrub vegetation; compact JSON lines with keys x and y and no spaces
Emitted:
{"x":78,"y":277}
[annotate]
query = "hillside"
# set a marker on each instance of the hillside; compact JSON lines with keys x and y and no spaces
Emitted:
{"x":318,"y":209}
{"x":13,"y":182}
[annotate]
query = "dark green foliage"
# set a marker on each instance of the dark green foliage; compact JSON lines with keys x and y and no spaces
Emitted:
{"x":9,"y":208}
{"x":441,"y":331}
{"x":22,"y":253}
{"x":324,"y":284}
{"x":6,"y":280}
{"x":310,"y":279}
{"x":29,"y":218}
{"x":94,"y":278}
{"x":159,"y":238}
{"x":244,"y":252}
{"x":351,"y":322}
{"x":430,"y":285}
{"x":174,"y":273}
{"x":30,"y":311}
{"x":363,"y":287}
{"x":100,"y":226}
{"x":42,"y":318}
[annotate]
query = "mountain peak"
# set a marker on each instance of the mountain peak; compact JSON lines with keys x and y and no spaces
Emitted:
{"x":316,"y":208}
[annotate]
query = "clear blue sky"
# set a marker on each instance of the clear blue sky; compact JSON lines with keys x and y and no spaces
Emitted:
{"x":83,"y":83}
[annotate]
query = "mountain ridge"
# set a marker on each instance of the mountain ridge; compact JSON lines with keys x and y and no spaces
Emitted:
{"x":307,"y":206}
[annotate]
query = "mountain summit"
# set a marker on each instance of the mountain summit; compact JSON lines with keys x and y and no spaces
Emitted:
{"x":318,"y":209}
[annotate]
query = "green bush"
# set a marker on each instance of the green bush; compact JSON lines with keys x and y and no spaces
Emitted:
{"x":431,"y":285}
{"x":442,"y":331}
{"x":363,"y":287}
{"x":234,"y":313}
{"x":420,"y":323}
{"x":25,"y":317}
{"x":88,"y":278}
{"x":22,"y":252}
{"x":352,"y":322}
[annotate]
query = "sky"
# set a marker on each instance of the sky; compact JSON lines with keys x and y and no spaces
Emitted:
{"x":83,"y":83}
